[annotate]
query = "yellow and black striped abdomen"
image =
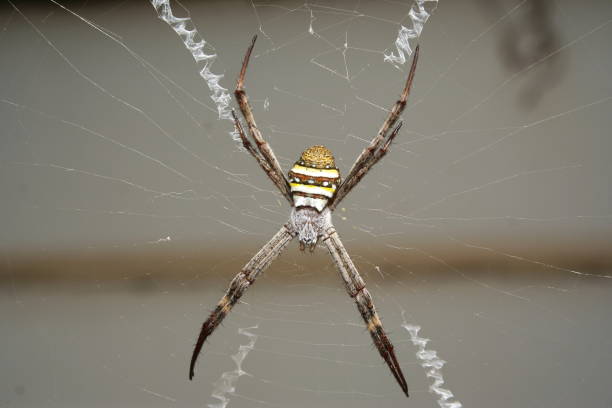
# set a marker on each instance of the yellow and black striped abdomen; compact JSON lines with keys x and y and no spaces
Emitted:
{"x":314,"y":178}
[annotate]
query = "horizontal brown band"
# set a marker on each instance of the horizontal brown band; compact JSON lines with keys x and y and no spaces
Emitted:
{"x":319,"y":196}
{"x":318,"y":181}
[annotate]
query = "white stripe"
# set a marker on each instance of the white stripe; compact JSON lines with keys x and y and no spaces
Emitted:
{"x":319,"y":204}
{"x":329,"y":173}
{"x":312,"y":190}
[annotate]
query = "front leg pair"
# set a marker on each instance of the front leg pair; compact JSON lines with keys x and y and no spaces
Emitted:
{"x":354,"y":284}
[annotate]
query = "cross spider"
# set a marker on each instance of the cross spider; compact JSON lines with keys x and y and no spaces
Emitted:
{"x":314,"y":190}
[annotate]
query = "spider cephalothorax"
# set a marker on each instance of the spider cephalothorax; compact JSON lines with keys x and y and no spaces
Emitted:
{"x":309,"y":225}
{"x":314,"y":189}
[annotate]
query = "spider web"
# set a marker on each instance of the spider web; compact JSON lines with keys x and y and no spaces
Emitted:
{"x":483,"y":236}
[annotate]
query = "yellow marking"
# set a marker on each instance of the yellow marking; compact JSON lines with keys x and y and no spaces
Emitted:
{"x":330,"y":189}
{"x":371,"y":326}
{"x":224,"y":301}
{"x":374,"y":323}
{"x":319,"y":155}
{"x":225,"y":305}
{"x":331,"y":173}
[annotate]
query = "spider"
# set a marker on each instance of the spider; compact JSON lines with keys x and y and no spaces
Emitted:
{"x":314,"y":189}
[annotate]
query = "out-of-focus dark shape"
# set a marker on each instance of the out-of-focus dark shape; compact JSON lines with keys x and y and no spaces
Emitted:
{"x":528,"y":42}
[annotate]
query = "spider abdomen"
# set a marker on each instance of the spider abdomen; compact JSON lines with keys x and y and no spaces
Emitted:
{"x":314,"y":178}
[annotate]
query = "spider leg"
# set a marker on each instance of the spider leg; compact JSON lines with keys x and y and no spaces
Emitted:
{"x":263,"y":163}
{"x":355,"y":287}
{"x":372,"y":154}
{"x":275,"y":172}
{"x":241,"y":282}
{"x":365,"y":167}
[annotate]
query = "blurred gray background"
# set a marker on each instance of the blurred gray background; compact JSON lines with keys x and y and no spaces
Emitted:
{"x":126,"y":207}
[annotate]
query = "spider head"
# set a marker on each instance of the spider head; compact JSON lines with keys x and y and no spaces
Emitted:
{"x":314,"y":178}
